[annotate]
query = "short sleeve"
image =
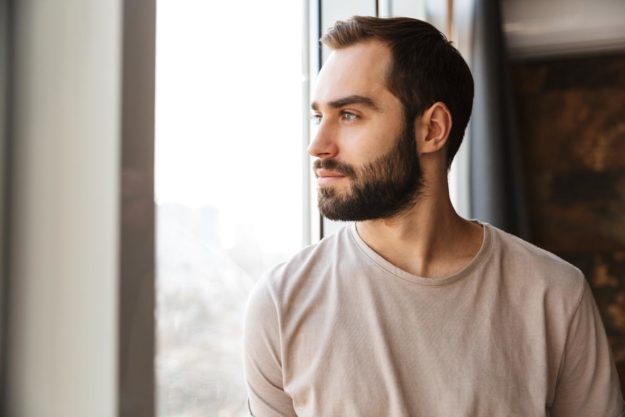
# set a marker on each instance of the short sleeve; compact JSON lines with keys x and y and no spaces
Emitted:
{"x":262,"y":358}
{"x":588,"y":384}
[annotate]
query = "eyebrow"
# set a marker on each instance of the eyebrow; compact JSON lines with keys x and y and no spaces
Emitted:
{"x":349,"y":100}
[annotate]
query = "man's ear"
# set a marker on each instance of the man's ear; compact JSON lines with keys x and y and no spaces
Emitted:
{"x":434,"y":127}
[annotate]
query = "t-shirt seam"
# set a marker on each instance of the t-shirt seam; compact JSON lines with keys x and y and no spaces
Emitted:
{"x":566,"y":341}
{"x":279,"y":317}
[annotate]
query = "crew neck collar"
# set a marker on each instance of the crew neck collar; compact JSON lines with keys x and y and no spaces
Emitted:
{"x":400,"y":273}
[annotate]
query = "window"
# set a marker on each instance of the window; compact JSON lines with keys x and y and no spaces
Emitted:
{"x":230,"y":176}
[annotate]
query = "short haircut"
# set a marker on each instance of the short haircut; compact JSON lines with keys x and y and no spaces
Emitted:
{"x":425,"y":67}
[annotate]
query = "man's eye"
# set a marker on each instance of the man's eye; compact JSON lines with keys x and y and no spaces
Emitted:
{"x":316,"y":118}
{"x":349,"y":117}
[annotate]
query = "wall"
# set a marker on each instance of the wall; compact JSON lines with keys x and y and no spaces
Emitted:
{"x":572,"y":118}
{"x":63,"y":308}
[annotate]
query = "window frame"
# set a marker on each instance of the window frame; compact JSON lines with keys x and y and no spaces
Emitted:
{"x":137,"y":247}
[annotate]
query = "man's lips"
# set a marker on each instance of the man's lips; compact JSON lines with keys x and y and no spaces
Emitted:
{"x":326,"y":173}
{"x":327,"y":177}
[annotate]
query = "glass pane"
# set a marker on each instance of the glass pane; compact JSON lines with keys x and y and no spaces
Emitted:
{"x":229,"y":179}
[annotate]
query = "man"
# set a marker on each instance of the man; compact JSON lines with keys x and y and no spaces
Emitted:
{"x":413,"y":310}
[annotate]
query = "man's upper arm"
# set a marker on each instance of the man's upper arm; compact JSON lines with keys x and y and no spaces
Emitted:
{"x":262,"y":356}
{"x":588,"y":383}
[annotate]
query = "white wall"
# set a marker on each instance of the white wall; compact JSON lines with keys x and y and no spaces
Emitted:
{"x":63,"y":317}
{"x":547,"y":28}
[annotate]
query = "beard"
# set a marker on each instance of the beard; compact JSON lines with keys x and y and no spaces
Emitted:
{"x":380,"y":189}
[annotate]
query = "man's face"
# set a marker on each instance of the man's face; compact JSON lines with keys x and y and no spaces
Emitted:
{"x":367,"y":165}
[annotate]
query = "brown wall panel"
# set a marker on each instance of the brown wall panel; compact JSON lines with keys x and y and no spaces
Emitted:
{"x":572,"y":121}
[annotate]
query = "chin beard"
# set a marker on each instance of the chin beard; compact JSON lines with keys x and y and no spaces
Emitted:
{"x":381,"y":189}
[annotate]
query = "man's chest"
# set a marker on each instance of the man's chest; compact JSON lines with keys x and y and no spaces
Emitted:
{"x":393,"y":357}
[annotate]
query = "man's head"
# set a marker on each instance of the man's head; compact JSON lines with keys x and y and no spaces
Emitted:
{"x":383,"y":76}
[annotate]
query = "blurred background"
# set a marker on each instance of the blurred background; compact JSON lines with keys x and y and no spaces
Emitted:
{"x":153,"y":165}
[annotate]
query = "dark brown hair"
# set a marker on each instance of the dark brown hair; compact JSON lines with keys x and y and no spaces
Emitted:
{"x":425,"y":69}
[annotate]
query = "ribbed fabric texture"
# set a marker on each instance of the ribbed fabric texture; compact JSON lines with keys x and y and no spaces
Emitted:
{"x":340,"y":331}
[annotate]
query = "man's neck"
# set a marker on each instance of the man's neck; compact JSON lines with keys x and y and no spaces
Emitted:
{"x":429,"y":240}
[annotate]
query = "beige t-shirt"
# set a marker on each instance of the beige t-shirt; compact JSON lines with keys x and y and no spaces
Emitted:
{"x":340,"y":331}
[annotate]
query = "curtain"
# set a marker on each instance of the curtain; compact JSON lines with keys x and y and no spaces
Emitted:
{"x":497,"y":193}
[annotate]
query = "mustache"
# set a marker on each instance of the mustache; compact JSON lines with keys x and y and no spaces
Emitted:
{"x":331,"y":164}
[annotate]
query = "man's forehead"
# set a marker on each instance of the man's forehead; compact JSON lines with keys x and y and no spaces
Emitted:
{"x":359,"y":69}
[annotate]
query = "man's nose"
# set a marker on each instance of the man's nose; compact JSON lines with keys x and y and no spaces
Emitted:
{"x":323,"y":144}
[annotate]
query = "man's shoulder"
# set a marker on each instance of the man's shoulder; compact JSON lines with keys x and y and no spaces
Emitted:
{"x":530,"y":254}
{"x":532,"y":265}
{"x":312,"y":261}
